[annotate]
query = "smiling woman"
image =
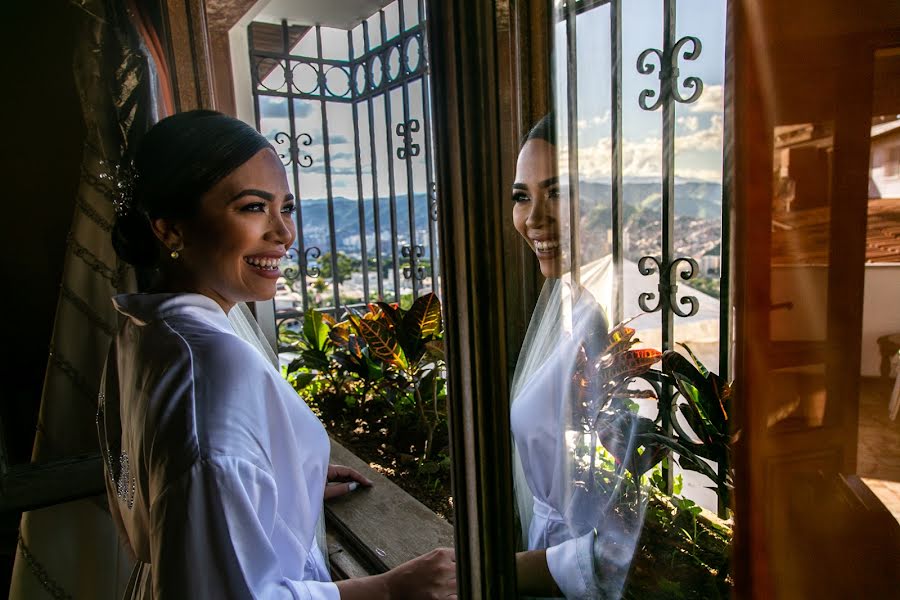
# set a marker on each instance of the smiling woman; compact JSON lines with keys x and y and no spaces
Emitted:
{"x":215,"y":470}
{"x":210,"y":209}
{"x":231,"y":248}
{"x":536,"y":196}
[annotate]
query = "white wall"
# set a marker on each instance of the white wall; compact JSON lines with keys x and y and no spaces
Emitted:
{"x":240,"y":64}
{"x":807,"y":286}
{"x":881,"y":312}
{"x":888,"y":186}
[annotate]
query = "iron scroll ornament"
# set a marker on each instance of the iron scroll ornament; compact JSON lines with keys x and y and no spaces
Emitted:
{"x":405,"y":130}
{"x":293,"y":155}
{"x":432,"y":203}
{"x":314,"y":253}
{"x":414,"y":269}
{"x":668,"y":288}
{"x":294,"y":268}
{"x":290,"y":265}
{"x":668,"y":71}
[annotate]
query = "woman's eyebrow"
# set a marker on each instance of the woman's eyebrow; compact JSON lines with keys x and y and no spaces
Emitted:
{"x":252,"y":192}
{"x":549,"y":181}
{"x":520,"y":186}
{"x":261,"y":194}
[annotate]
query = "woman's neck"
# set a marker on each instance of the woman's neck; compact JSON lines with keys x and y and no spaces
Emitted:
{"x":177,"y":283}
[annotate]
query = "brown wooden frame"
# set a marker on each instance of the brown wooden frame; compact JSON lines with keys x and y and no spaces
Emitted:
{"x":836,"y":39}
{"x":487,"y":91}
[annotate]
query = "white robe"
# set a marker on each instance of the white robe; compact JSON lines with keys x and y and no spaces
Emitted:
{"x":562,"y":517}
{"x":215,"y":467}
{"x":556,"y":524}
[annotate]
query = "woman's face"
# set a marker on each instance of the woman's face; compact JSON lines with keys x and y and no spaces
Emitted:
{"x":244,"y":226}
{"x":536,"y":203}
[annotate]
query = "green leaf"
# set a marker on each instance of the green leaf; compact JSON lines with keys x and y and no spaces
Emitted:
{"x":301,"y":380}
{"x":314,"y":359}
{"x":695,"y":422}
{"x":380,"y":341}
{"x":340,"y":334}
{"x":391,"y":313}
{"x":315,"y":329}
{"x":703,"y":370}
{"x":629,"y":438}
{"x":429,"y":467}
{"x":290,"y":338}
{"x":701,"y":392}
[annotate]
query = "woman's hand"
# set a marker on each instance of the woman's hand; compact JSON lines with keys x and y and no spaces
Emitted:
{"x":429,"y":576}
{"x":343,"y":480}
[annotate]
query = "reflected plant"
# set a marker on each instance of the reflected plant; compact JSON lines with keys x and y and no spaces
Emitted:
{"x":606,"y":367}
{"x":684,"y":551}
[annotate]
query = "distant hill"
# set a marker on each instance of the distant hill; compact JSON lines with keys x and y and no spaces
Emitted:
{"x":695,"y":199}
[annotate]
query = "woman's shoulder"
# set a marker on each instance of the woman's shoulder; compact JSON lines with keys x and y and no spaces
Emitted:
{"x":213,"y":347}
{"x":229,"y":388}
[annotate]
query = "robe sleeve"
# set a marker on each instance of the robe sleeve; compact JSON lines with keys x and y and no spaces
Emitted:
{"x":595,"y":565}
{"x":570,"y":565}
{"x":211,"y":537}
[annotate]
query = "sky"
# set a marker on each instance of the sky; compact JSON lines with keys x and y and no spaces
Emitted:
{"x":698,"y":126}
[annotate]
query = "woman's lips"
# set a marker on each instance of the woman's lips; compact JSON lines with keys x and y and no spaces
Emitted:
{"x":264,"y":265}
{"x":546,"y":248}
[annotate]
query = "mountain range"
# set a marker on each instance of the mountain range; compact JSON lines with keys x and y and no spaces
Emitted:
{"x":641,"y":200}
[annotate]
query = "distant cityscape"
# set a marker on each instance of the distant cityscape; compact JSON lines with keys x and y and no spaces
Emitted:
{"x":697,"y":225}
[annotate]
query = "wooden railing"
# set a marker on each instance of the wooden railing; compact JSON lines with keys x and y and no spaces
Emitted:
{"x":368,"y":531}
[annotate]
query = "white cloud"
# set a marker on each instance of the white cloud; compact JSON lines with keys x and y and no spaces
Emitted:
{"x":691,"y":123}
{"x":711,"y":100}
{"x":595,"y":121}
{"x":702,"y":139}
{"x":643,"y":158}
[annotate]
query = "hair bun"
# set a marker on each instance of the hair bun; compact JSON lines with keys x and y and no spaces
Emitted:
{"x":134,"y":241}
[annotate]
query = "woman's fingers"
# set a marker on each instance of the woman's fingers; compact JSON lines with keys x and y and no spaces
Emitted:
{"x":342,"y":480}
{"x":342,"y":473}
{"x":334,"y":490}
{"x":430,"y":576}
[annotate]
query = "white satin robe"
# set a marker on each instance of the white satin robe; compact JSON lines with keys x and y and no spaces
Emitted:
{"x":564,"y":517}
{"x":556,"y":524}
{"x":215,"y":467}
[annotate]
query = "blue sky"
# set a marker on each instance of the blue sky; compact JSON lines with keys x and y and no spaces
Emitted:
{"x":698,"y":126}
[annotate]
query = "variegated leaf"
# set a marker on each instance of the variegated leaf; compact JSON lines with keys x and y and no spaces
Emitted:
{"x":424,"y":317}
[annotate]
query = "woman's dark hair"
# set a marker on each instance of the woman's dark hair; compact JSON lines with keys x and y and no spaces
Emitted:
{"x":177,"y":161}
{"x":544,"y":129}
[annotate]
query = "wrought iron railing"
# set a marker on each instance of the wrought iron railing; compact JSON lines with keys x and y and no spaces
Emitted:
{"x":668,"y":267}
{"x":406,"y":263}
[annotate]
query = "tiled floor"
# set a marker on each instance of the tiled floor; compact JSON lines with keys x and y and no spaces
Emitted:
{"x":878,"y":460}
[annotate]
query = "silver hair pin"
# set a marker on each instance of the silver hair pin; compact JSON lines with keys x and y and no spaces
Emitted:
{"x":122,"y":176}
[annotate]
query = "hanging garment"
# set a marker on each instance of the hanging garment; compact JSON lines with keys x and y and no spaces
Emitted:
{"x":216,"y":469}
{"x":71,"y":550}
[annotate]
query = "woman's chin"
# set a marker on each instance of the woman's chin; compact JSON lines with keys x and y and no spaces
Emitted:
{"x":551,"y":268}
{"x":262,"y":293}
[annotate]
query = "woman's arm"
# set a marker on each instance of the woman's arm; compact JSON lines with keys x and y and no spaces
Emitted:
{"x":212,"y":539}
{"x":431,"y":575}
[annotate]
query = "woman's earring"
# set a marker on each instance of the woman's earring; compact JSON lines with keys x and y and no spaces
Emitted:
{"x":174,"y":254}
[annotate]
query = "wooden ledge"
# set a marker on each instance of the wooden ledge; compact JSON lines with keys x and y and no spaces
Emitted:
{"x":383,"y":525}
